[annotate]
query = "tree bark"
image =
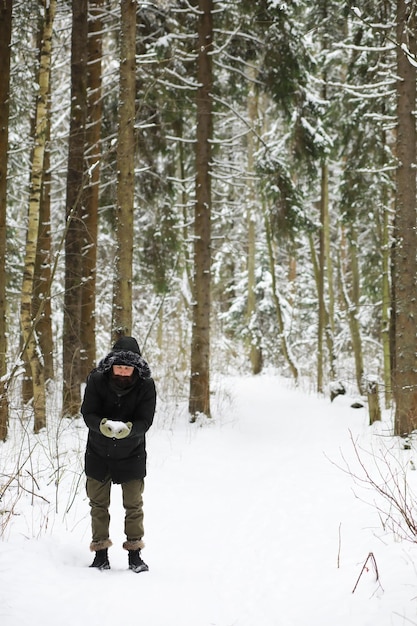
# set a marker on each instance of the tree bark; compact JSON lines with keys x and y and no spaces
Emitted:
{"x":386,"y":313}
{"x":277,"y":302}
{"x":5,"y":37}
{"x":328,"y":269}
{"x":28,"y":323}
{"x":405,"y":373}
{"x":184,"y":201}
{"x":122,"y":293}
{"x":325,"y":279}
{"x":199,"y":398}
{"x":91,"y":198}
{"x":41,"y":297}
{"x":354,"y":312}
{"x":351,"y":300}
{"x":374,"y":409}
{"x":74,"y":214}
{"x":321,"y":278}
{"x":255,"y":348}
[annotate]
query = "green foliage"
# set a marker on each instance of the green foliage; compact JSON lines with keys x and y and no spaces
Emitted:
{"x":159,"y":247}
{"x":284,"y":199}
{"x":368,"y":100}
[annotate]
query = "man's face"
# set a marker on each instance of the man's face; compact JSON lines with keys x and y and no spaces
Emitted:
{"x":123,"y":370}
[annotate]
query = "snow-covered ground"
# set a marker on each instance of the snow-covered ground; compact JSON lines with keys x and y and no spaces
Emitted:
{"x":250,"y":521}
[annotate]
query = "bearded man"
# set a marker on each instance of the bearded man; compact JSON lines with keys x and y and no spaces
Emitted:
{"x":118,"y":409}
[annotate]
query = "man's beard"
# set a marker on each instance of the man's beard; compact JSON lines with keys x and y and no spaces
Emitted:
{"x":122,"y":381}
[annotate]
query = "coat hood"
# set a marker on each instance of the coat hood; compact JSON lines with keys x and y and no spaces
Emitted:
{"x":125,"y":352}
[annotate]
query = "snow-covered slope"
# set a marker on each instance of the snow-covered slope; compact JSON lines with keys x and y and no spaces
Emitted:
{"x":250,"y":521}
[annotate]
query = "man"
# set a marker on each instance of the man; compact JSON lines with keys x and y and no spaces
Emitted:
{"x":118,"y":408}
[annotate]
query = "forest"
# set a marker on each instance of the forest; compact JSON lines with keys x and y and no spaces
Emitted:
{"x":232,"y":182}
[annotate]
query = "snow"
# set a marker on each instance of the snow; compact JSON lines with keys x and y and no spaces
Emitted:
{"x":253,"y":518}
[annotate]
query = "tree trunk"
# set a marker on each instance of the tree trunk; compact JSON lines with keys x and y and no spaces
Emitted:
{"x":326,"y":322}
{"x":5,"y":37}
{"x":122,"y":293}
{"x":36,"y":179}
{"x":199,"y":398}
{"x":351,"y":301}
{"x":184,"y":202}
{"x":255,"y":349}
{"x":372,"y":391}
{"x":41,"y":297}
{"x":386,"y":290}
{"x":277,"y":302}
{"x":321,"y":277}
{"x":91,"y":198}
{"x":74,"y":213}
{"x":324,"y":278}
{"x":405,"y":373}
{"x":327,"y":270}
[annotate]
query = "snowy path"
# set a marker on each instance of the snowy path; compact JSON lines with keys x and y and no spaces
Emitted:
{"x":248,"y":524}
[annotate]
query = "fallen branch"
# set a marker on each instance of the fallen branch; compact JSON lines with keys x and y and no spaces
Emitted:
{"x":365,"y":568}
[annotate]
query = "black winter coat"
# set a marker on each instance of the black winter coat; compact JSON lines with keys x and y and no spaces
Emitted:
{"x":121,"y":459}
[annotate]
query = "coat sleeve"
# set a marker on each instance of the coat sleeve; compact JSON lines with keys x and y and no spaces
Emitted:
{"x":145,"y":411}
{"x":90,"y":407}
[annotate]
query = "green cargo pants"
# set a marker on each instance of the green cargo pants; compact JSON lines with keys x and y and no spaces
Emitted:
{"x":99,"y":496}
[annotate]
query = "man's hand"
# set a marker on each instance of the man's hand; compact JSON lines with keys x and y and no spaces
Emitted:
{"x":114,"y":429}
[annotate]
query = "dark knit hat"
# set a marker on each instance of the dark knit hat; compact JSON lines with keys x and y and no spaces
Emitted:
{"x":126,"y":344}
